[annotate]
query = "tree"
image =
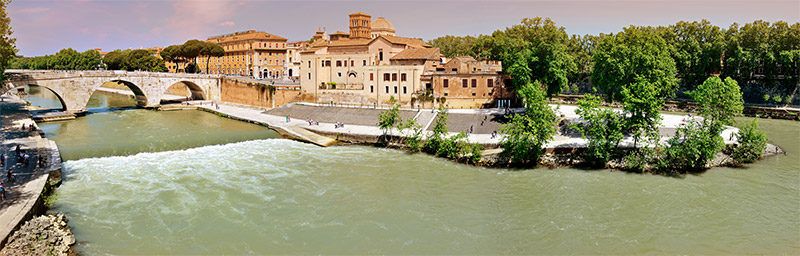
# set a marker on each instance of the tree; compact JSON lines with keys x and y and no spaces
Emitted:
{"x":635,"y":55}
{"x":635,"y":66}
{"x":602,"y":127}
{"x":7,"y":49}
{"x":526,"y":133}
{"x":537,"y":49}
{"x":387,"y":119}
{"x":439,"y":132}
{"x":453,"y":46}
{"x":751,"y":143}
{"x":114,"y":60}
{"x":719,"y":102}
{"x":190,"y":50}
{"x":211,"y":50}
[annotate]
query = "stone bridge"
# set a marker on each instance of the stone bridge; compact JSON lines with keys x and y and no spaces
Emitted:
{"x":74,"y":88}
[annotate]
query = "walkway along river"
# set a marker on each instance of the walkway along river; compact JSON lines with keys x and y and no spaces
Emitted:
{"x":196,"y":195}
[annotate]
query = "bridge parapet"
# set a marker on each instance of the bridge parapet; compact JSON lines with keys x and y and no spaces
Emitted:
{"x":74,"y":88}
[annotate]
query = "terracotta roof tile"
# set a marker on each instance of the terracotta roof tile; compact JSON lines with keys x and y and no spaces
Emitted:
{"x":418,"y":54}
{"x":413,"y":42}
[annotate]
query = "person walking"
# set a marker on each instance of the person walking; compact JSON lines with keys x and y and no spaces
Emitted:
{"x":10,"y":176}
{"x":2,"y":191}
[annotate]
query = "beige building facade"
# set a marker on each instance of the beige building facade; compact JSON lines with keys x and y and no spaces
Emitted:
{"x":249,"y":53}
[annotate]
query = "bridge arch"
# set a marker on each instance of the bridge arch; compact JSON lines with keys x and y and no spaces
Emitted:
{"x":139,"y":95}
{"x":58,"y":96}
{"x":196,"y":91}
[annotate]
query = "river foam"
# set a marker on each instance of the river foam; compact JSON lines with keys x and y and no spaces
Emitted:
{"x":278,"y":196}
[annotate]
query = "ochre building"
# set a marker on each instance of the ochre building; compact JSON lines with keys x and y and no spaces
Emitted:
{"x":248,"y":53}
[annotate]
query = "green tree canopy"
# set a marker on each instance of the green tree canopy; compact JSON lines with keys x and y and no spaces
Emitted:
{"x":719,"y":101}
{"x":526,"y":133}
{"x":533,"y":50}
{"x":453,"y":46}
{"x":635,"y":55}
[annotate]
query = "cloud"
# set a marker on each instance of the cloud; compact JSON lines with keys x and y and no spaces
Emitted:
{"x":193,"y":19}
{"x":28,"y":10}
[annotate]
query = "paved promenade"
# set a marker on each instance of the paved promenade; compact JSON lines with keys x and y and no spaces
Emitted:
{"x":363,"y":122}
{"x":30,"y":179}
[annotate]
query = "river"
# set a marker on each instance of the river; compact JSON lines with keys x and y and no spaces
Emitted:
{"x":188,"y":182}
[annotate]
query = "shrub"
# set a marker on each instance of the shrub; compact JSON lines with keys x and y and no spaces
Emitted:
{"x":602,"y":127}
{"x":751,"y":143}
{"x":692,"y":147}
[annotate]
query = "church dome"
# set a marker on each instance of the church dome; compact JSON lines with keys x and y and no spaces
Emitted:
{"x":382,"y":24}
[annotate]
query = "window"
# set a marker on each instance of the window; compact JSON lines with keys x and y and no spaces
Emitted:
{"x":394,"y":76}
{"x":464,"y":83}
{"x":474,"y":83}
{"x":345,"y":63}
{"x":338,"y":63}
{"x":352,"y":63}
{"x":395,"y":89}
{"x":340,"y":74}
{"x":371,"y":77}
{"x":309,"y":75}
{"x":387,"y":89}
{"x":364,"y":63}
{"x":445,"y":83}
{"x":371,"y":88}
{"x":404,"y":90}
{"x":403,"y":77}
{"x":322,"y":63}
{"x":380,"y":56}
{"x":455,"y":70}
{"x":386,"y":77}
{"x":473,"y":94}
{"x":445,"y":94}
{"x":490,"y":83}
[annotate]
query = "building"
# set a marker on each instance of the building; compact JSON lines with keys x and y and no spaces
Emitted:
{"x":468,"y":83}
{"x":370,"y":65}
{"x":249,"y":53}
{"x":365,"y":68}
{"x":292,"y":65}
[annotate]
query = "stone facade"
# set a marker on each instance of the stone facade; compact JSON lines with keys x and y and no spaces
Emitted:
{"x":467,"y":83}
{"x":241,"y":92}
{"x":74,"y":89}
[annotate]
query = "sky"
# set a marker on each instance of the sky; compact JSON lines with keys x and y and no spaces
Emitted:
{"x":46,"y":26}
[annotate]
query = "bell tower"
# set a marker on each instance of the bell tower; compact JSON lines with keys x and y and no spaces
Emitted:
{"x":360,"y":25}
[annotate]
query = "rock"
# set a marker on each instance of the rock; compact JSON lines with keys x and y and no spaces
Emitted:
{"x":42,"y":235}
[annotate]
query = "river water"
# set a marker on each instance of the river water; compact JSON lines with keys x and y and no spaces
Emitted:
{"x":170,"y":184}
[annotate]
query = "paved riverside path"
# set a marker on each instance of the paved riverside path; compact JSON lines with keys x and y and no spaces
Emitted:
{"x":363,"y":121}
{"x":22,"y":194}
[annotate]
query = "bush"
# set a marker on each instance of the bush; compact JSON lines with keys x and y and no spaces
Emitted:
{"x":751,"y":143}
{"x":603,"y":128}
{"x":692,"y":147}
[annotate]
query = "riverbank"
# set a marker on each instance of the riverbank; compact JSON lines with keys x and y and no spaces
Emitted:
{"x":563,"y":150}
{"x":30,"y":180}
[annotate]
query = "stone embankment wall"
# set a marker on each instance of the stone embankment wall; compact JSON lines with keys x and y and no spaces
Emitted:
{"x":254,"y":94}
{"x":788,"y":113}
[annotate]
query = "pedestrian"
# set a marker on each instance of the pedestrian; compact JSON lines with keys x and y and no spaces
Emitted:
{"x":10,"y":176}
{"x":2,"y":191}
{"x":23,"y":127}
{"x":18,"y":150}
{"x":482,"y":123}
{"x":2,"y":160}
{"x":287,"y":119}
{"x":470,"y":128}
